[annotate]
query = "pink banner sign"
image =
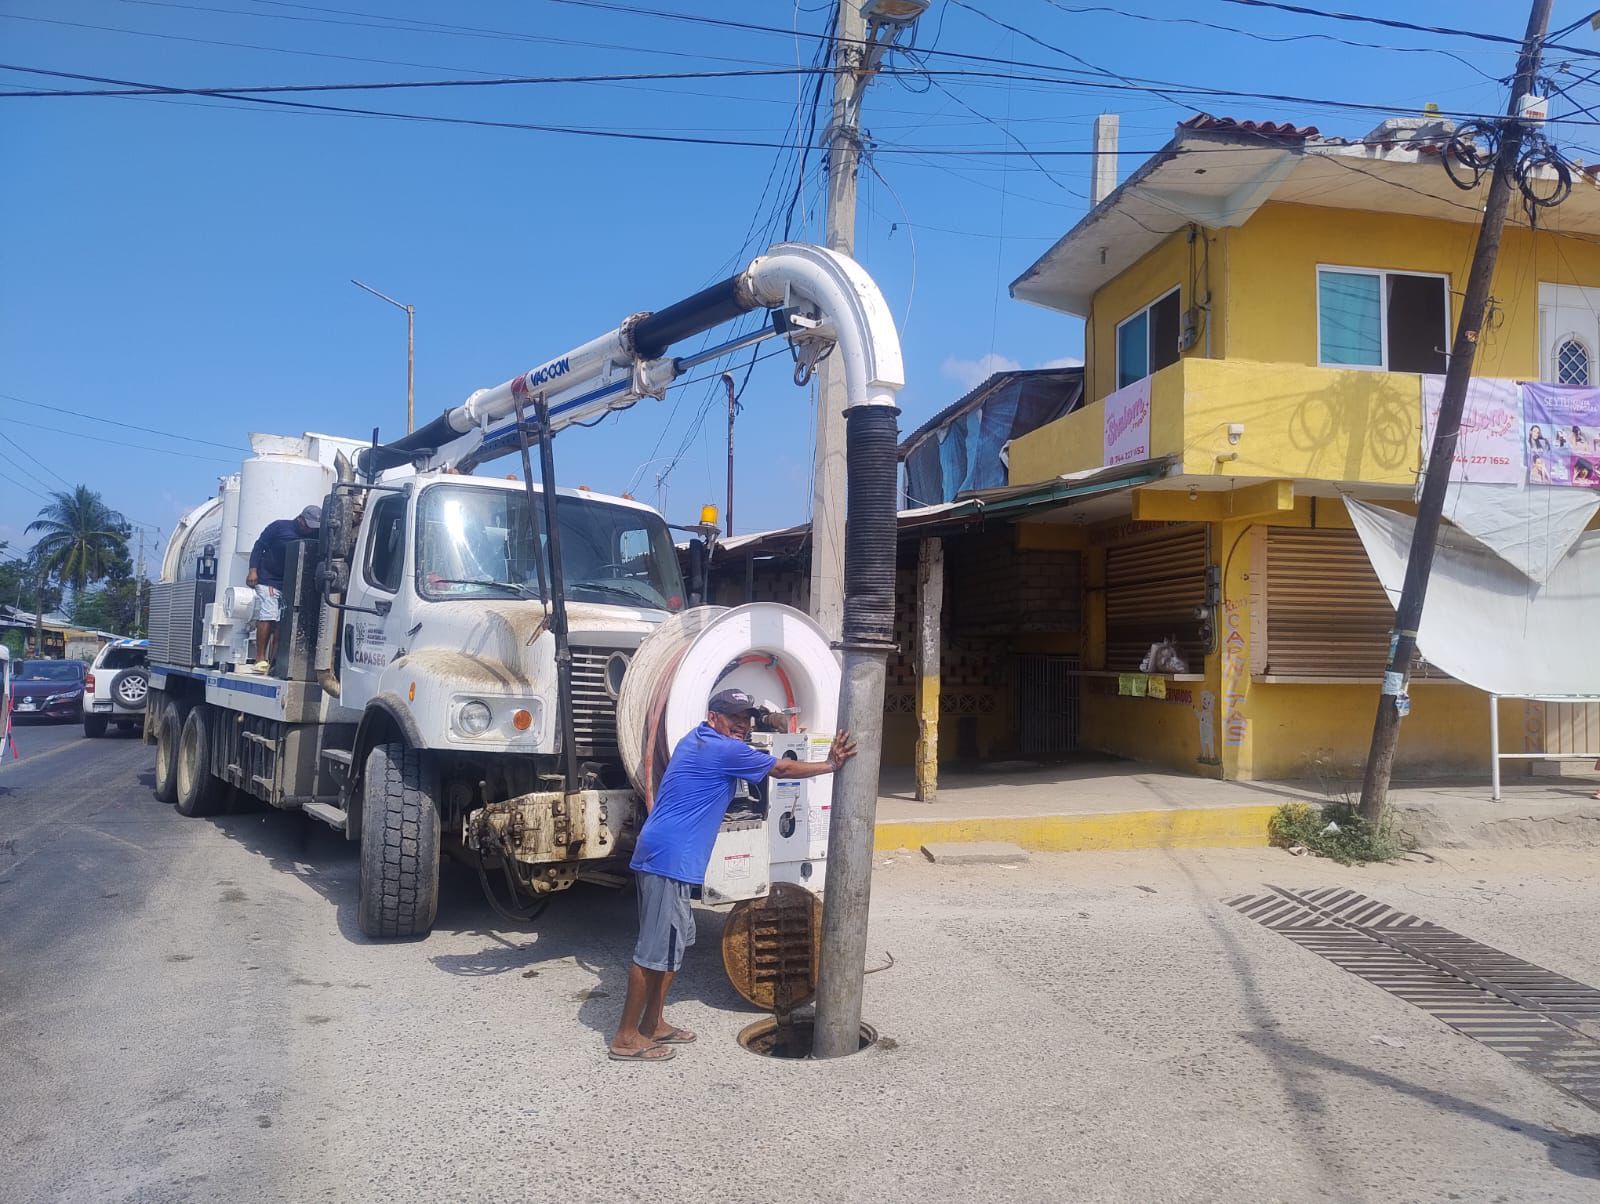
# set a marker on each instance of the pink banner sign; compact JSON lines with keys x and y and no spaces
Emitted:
{"x":1489,"y":450}
{"x":1562,"y":434}
{"x":1127,"y":436}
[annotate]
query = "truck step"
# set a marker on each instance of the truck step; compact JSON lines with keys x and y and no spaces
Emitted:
{"x":327,"y":813}
{"x":340,"y":756}
{"x":265,"y":783}
{"x":258,"y":738}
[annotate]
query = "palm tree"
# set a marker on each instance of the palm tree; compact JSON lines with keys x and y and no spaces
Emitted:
{"x":82,"y":538}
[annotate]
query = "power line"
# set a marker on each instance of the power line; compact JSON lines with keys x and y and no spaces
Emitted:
{"x":1387,"y":22}
{"x":1275,"y":39}
{"x":114,"y":442}
{"x":37,"y":461}
{"x":148,"y":430}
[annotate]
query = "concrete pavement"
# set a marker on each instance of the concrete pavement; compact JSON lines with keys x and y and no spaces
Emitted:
{"x":189,"y":1013}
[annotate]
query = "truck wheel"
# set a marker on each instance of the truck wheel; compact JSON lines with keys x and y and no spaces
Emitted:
{"x":200,"y":792}
{"x":94,"y":726}
{"x":169,"y":725}
{"x":399,"y":892}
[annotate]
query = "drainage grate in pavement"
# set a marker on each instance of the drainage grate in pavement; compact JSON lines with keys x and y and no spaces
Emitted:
{"x":1537,"y":1018}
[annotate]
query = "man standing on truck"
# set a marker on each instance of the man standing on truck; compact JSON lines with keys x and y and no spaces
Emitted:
{"x":674,"y":849}
{"x":266,"y":576}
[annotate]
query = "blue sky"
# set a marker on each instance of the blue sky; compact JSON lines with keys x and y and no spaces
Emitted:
{"x":183,"y":264}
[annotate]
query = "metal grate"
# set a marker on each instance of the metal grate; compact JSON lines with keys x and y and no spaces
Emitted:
{"x":1047,"y":696}
{"x":1535,"y":1017}
{"x":770,"y":947}
{"x":594,"y":713}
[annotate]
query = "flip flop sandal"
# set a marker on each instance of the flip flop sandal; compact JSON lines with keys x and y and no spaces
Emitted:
{"x":650,"y":1053}
{"x":679,"y":1036}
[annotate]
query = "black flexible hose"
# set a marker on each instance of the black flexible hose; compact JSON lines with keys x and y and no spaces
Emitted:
{"x":871,"y":440}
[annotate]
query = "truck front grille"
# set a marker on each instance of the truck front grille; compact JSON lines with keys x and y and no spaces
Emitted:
{"x":594,"y":714}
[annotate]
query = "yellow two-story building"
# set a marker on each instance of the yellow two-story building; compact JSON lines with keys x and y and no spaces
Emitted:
{"x":1263,"y":305}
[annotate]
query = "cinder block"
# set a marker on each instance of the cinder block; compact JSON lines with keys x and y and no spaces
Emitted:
{"x":974,"y":852}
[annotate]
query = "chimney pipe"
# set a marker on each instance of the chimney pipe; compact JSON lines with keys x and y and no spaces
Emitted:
{"x":1103,"y":163}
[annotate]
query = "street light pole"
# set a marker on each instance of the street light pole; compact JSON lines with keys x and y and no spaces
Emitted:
{"x":411,"y":325}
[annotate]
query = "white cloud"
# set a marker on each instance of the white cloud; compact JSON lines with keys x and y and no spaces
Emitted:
{"x":969,"y":374}
{"x":1064,"y":361}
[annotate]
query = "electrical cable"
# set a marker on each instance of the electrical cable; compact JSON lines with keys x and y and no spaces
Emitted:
{"x":115,"y":442}
{"x":148,"y":430}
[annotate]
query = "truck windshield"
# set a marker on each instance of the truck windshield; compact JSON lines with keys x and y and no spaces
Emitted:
{"x":482,"y":543}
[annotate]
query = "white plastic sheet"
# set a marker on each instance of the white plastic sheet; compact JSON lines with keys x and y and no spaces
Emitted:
{"x":1532,"y":529}
{"x":1487,"y":623}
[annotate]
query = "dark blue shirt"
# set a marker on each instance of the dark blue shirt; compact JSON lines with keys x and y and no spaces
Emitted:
{"x":268,"y":555}
{"x":693,"y":797}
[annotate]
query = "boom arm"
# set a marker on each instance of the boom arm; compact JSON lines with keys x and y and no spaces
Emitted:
{"x":821,"y":300}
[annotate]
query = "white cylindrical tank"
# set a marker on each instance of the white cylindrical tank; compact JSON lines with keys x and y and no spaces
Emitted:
{"x":774,"y":653}
{"x":274,"y":486}
{"x":200,"y":527}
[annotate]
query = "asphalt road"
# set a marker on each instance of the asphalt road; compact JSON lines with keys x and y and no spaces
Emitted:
{"x":188,"y":1012}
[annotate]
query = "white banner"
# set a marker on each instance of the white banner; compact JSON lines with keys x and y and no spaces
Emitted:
{"x":1487,"y":624}
{"x":1127,"y":436}
{"x":1489,"y":450}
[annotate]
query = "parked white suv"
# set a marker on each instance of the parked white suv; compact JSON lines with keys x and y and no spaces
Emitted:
{"x":114,"y":690}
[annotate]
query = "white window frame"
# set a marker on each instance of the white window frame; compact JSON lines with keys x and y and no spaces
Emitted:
{"x":1383,"y":312}
{"x":1116,"y":338}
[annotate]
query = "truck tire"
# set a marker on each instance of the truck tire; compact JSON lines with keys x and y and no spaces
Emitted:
{"x":94,"y":726}
{"x":169,"y":726}
{"x":200,"y":792}
{"x":399,"y":891}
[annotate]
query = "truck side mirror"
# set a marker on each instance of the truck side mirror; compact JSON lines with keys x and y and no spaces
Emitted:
{"x":697,"y":572}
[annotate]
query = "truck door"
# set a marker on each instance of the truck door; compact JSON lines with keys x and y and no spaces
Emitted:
{"x":377,"y":579}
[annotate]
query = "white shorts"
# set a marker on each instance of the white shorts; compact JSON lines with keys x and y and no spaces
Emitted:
{"x":268,"y":604}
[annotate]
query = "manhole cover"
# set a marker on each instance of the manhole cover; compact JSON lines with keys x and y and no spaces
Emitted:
{"x":1536,"y":1017}
{"x":791,"y":1038}
{"x":770,"y":948}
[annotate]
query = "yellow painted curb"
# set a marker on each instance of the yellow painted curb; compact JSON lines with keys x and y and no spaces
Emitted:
{"x":1188,"y":828}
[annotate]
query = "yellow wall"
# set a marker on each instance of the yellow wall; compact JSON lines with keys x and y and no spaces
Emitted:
{"x":1301,"y":423}
{"x":1153,"y":276}
{"x":1273,"y":258}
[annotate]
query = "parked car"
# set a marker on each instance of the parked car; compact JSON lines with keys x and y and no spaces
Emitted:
{"x":49,"y":690}
{"x":115,"y":687}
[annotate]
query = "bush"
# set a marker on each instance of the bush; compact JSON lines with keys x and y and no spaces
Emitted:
{"x":1352,"y":842}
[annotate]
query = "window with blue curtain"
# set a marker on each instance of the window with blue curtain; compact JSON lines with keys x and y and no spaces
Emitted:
{"x":1133,"y":349}
{"x":1350,"y":318}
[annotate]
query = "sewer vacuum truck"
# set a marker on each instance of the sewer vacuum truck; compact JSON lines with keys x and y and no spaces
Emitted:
{"x":495,"y":669}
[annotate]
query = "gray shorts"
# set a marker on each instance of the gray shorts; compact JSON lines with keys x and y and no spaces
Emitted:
{"x":666,"y":921}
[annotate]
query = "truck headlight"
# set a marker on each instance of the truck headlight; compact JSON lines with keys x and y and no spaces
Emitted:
{"x":474,"y":717}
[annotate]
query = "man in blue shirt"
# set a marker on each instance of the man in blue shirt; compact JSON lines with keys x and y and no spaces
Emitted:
{"x":267,"y":566}
{"x":674,"y":849}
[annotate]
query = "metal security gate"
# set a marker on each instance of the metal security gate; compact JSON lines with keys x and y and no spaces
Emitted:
{"x":1047,"y":705}
{"x":1156,"y":590}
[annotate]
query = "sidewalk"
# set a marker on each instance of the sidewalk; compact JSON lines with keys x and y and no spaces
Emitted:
{"x":1105,"y":803}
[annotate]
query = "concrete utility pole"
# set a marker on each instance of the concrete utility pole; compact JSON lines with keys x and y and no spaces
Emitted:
{"x":1441,"y":456}
{"x":844,"y":158}
{"x":411,"y":344}
{"x":138,"y":586}
{"x":863,"y":630}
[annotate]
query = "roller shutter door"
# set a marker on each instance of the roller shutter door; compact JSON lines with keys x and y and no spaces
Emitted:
{"x":1153,"y":592}
{"x":1327,"y":615}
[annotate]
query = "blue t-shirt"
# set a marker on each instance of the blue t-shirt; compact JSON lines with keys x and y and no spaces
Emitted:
{"x":693,"y":797}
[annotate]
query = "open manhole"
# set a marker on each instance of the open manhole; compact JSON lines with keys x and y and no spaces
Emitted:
{"x":772,"y":1038}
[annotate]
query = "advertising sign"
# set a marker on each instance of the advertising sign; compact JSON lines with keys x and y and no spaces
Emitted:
{"x":1489,"y":450}
{"x":1561,"y":433}
{"x":1127,"y":435}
